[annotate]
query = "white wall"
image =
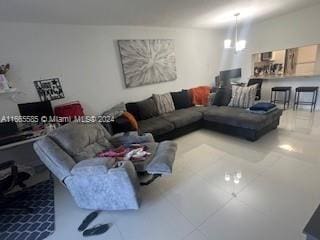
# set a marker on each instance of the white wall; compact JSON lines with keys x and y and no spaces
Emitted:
{"x":293,"y":30}
{"x":86,"y":59}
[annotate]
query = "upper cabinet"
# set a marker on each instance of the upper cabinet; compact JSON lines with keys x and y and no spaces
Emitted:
{"x":293,"y":62}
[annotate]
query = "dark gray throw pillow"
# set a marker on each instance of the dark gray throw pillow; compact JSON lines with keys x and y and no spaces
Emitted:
{"x":181,"y":99}
{"x":147,"y":109}
{"x":222,"y":97}
{"x":133,"y":108}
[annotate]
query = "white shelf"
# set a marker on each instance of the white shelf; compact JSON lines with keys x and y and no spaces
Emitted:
{"x":10,"y":90}
{"x":287,"y":76}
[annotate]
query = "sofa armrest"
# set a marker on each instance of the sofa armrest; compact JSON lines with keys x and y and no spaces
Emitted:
{"x":93,"y":166}
{"x":163,"y":159}
{"x":118,"y":189}
{"x":130,"y":138}
{"x":54,"y":157}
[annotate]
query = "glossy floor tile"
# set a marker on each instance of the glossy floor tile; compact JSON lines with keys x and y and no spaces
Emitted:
{"x":239,"y":221}
{"x":276,"y":196}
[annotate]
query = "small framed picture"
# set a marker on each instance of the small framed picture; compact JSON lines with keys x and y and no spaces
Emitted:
{"x":49,"y":89}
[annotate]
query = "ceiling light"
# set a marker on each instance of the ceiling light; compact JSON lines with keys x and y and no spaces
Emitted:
{"x":237,"y":45}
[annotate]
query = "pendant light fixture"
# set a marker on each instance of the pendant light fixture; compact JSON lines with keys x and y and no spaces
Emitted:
{"x":237,"y":45}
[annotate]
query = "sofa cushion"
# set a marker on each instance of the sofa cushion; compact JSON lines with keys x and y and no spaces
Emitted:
{"x":116,"y":111}
{"x":211,"y":98}
{"x":181,"y":99}
{"x":200,"y":109}
{"x":133,"y":108}
{"x":147,"y":109}
{"x":163,"y":102}
{"x":81,"y":140}
{"x":239,"y":117}
{"x":183,"y":117}
{"x":157,"y":126}
{"x":200,"y":95}
{"x":222,"y":97}
{"x":120,"y":124}
{"x":243,"y":97}
{"x":132,"y":120}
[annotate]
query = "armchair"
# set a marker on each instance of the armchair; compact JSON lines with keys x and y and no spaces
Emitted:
{"x":101,"y":183}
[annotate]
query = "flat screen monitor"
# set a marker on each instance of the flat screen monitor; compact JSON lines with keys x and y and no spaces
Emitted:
{"x":38,"y":109}
{"x":230,"y":76}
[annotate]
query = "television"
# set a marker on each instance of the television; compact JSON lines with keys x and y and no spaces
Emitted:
{"x":228,"y":76}
{"x":37,"y":109}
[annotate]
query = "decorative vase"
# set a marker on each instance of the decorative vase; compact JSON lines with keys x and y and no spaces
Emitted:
{"x":3,"y":83}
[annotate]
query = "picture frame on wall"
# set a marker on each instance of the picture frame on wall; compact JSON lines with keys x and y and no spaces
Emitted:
{"x":49,"y":89}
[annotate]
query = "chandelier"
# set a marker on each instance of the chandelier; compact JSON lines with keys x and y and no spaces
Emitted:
{"x":237,"y":45}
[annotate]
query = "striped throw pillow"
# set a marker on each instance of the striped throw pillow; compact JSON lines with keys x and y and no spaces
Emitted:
{"x":164,"y":103}
{"x":243,"y":97}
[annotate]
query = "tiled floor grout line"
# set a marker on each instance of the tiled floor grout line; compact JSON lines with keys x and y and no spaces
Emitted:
{"x":120,"y":232}
{"x":215,"y":212}
{"x":173,"y":205}
{"x":264,"y":213}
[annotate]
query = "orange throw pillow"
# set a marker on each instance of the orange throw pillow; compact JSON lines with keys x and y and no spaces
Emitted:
{"x":133,"y":122}
{"x":200,"y":95}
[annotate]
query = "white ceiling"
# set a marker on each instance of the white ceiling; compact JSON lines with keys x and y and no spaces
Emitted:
{"x":169,"y":13}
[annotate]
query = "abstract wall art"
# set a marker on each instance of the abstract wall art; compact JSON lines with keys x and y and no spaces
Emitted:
{"x":147,"y":61}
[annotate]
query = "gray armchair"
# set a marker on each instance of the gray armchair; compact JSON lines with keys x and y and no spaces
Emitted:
{"x":101,"y":183}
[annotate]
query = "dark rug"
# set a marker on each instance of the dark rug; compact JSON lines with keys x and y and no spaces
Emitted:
{"x":20,"y":225}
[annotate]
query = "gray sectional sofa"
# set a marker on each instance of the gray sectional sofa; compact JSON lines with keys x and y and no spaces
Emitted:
{"x":235,"y":121}
{"x":170,"y":115}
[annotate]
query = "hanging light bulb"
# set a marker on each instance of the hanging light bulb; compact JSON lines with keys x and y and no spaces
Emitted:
{"x":240,"y":45}
{"x":227,"y":43}
{"x":227,"y":177}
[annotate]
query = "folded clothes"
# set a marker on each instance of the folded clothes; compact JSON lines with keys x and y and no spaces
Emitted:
{"x":133,"y":152}
{"x":137,"y":154}
{"x":262,"y":112}
{"x":262,"y":106}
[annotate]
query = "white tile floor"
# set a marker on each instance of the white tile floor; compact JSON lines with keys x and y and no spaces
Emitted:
{"x":276,"y":197}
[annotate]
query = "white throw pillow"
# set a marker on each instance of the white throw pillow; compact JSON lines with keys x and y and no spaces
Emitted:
{"x":164,"y":103}
{"x":243,"y":97}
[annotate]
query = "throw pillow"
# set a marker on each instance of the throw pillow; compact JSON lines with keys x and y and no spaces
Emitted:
{"x":222,"y":97}
{"x":190,"y":96}
{"x":243,"y":97}
{"x":133,"y":109}
{"x":164,"y":103}
{"x":116,"y":111}
{"x":121,"y":124}
{"x":133,"y":122}
{"x":147,"y":109}
{"x":181,"y":99}
{"x":200,"y":95}
{"x":211,"y":98}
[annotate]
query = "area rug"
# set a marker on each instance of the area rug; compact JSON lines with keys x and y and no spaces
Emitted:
{"x":20,"y":225}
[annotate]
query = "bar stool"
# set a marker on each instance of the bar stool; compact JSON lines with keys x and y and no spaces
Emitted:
{"x":313,"y":90}
{"x":287,"y":96}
